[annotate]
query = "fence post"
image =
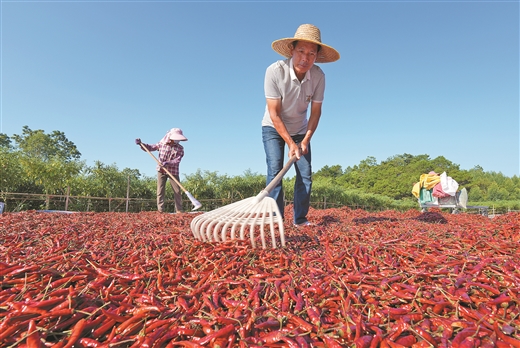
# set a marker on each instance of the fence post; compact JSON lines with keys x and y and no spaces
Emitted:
{"x":127,"y":193}
{"x":67,"y":199}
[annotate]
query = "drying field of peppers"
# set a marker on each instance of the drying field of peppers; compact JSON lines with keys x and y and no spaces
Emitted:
{"x":354,"y":279}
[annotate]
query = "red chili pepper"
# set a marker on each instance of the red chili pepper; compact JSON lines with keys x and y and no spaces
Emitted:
{"x":509,"y":340}
{"x":131,"y":324}
{"x":146,"y":309}
{"x":165,"y":337}
{"x":100,"y":331}
{"x":407,"y":341}
{"x":425,"y":335}
{"x":438,"y":308}
{"x":89,"y":342}
{"x":184,"y":344}
{"x":361,"y":342}
{"x":300,"y":303}
{"x":225,"y":320}
{"x":314,"y":316}
{"x":22,"y":308}
{"x":67,"y":280}
{"x":15,"y":270}
{"x":10,"y":330}
{"x":66,"y":304}
{"x":156,"y":324}
{"x":299,"y":322}
{"x":388,"y":343}
{"x":302,"y":341}
{"x":489,"y":288}
{"x":394,"y":313}
{"x":291,"y":343}
{"x":186,"y":331}
{"x":114,"y":316}
{"x":268,"y":324}
{"x":232,"y":304}
{"x":76,"y":333}
{"x":502,"y":298}
{"x":397,"y":330}
{"x":378,"y":337}
{"x":225,"y":331}
{"x":58,"y":313}
{"x":422,"y":344}
{"x":273,"y":337}
{"x":285,"y":302}
{"x":33,"y":336}
{"x":47,"y":304}
{"x":183,"y":303}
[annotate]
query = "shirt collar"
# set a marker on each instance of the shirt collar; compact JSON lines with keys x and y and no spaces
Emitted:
{"x":293,"y":74}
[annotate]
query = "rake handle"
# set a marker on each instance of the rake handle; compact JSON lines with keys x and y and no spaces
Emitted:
{"x":166,"y":170}
{"x":280,"y":175}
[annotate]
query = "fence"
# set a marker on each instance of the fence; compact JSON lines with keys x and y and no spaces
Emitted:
{"x":15,"y":202}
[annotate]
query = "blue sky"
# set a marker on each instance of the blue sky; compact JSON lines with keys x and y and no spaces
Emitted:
{"x":419,"y":77}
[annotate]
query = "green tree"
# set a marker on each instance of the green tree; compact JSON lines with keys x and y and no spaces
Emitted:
{"x":106,"y":181}
{"x":495,"y":193}
{"x":475,"y":194}
{"x":329,"y":172}
{"x":5,"y":142}
{"x":48,"y":160}
{"x":37,"y":144}
{"x":204,"y":184}
{"x":11,"y":171}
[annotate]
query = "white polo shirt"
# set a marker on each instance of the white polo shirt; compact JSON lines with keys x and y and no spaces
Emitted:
{"x":281,"y":82}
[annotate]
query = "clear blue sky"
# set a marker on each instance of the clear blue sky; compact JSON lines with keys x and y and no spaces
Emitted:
{"x":419,"y":77}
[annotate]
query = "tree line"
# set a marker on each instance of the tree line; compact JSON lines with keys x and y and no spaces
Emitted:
{"x":49,"y":163}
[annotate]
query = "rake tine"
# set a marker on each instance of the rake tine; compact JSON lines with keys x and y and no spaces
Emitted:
{"x":256,"y":212}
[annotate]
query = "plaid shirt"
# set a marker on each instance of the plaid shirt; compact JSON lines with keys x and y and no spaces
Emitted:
{"x":169,"y":156}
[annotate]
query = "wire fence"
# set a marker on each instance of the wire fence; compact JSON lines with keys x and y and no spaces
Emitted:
{"x":16,"y":202}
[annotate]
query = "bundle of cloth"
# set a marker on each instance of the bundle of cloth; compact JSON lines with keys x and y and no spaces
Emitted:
{"x":436,"y":189}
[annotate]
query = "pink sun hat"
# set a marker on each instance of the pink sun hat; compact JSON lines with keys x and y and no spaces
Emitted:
{"x":173,"y":134}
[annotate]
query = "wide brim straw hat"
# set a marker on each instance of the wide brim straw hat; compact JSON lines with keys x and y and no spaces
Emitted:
{"x":308,"y":33}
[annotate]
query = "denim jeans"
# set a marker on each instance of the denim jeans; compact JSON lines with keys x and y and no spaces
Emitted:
{"x":274,"y":147}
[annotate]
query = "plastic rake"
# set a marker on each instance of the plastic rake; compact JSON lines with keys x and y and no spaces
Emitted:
{"x":248,"y":215}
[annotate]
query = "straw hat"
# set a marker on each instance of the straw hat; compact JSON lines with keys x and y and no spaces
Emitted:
{"x":309,"y":33}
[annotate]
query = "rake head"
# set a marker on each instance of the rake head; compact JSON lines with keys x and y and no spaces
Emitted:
{"x":237,"y":219}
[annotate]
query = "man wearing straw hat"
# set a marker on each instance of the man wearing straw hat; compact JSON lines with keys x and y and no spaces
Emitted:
{"x":290,"y":86}
{"x":170,"y":156}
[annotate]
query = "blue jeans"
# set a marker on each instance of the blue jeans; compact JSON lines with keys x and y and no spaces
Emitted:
{"x":274,"y":146}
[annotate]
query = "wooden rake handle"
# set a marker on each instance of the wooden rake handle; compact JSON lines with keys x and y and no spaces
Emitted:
{"x":161,"y":165}
{"x":193,"y":200}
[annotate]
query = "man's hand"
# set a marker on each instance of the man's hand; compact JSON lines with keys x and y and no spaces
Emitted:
{"x":294,"y":151}
{"x":138,"y":141}
{"x":304,"y":148}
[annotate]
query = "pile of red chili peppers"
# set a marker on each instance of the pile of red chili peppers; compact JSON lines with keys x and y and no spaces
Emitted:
{"x":354,"y":279}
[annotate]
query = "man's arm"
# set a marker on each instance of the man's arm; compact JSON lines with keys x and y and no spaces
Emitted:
{"x":274,"y":106}
{"x":314,"y":119}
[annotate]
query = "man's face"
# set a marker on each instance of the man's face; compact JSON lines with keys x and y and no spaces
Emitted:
{"x":304,"y":55}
